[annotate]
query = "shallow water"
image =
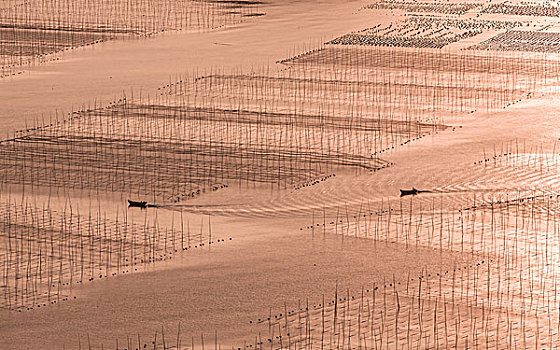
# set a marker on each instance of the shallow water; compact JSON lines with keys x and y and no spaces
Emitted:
{"x":104,"y":72}
{"x":222,"y":288}
{"x":282,"y":250}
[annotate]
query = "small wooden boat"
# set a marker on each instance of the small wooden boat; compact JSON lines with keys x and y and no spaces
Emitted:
{"x":412,"y":192}
{"x":135,"y":204}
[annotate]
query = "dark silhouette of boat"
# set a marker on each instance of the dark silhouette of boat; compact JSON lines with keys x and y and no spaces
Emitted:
{"x":412,"y":192}
{"x":135,"y":204}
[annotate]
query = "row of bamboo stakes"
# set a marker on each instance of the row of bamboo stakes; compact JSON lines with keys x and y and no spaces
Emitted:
{"x":32,"y":30}
{"x":282,"y":129}
{"x":45,"y":253}
{"x":504,"y":296}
